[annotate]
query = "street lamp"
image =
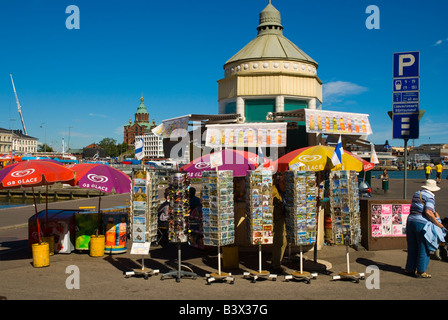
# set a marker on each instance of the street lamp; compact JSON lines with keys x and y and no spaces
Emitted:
{"x":45,"y":136}
{"x":69,"y":139}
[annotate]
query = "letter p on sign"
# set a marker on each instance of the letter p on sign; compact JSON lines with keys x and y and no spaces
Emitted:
{"x":406,"y":64}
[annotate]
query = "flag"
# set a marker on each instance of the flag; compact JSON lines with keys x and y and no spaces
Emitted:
{"x":338,"y":152}
{"x":139,"y":154}
{"x":373,"y":156}
{"x":261,"y":160}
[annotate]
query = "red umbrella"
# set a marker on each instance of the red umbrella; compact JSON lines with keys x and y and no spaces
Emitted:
{"x":32,"y":174}
{"x":101,"y":177}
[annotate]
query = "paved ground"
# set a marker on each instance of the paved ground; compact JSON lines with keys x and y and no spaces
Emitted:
{"x":104,"y":278}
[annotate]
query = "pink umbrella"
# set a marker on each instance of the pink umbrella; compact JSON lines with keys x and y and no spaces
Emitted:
{"x":101,"y":177}
{"x":236,"y":160}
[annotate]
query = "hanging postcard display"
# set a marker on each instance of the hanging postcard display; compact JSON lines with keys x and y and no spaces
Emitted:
{"x":259,"y":206}
{"x":300,"y":194}
{"x":217,"y":208}
{"x":344,"y":201}
{"x":389,"y":220}
{"x":144,"y":205}
{"x":178,"y":199}
{"x":246,"y":135}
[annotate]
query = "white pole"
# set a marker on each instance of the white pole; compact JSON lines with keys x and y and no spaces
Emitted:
{"x":259,"y":258}
{"x":219,"y":260}
{"x":301,"y":260}
{"x":348,"y":260}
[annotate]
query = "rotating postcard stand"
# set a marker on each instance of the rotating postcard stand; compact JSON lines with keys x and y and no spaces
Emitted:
{"x":301,"y":211}
{"x":345,"y":219}
{"x":259,"y":211}
{"x":178,"y":230}
{"x":144,"y":217}
{"x":218,"y":216}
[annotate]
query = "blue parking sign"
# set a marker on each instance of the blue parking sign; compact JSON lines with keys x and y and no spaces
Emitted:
{"x":405,"y":126}
{"x":406,"y":64}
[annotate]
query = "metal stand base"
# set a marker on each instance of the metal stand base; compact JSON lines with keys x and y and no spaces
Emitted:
{"x":221,"y":277}
{"x":142,"y":272}
{"x":301,"y":276}
{"x":179,"y":273}
{"x":258,"y":275}
{"x":351,"y":276}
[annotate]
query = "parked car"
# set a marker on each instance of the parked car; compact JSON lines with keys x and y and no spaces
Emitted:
{"x":364,"y":189}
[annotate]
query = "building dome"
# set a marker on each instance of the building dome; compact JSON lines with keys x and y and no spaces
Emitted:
{"x":142,"y":108}
{"x":270,"y":43}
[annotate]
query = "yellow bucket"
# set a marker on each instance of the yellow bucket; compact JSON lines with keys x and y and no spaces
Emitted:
{"x":50,"y":241}
{"x":230,"y":258}
{"x":41,"y":254}
{"x":97,"y":245}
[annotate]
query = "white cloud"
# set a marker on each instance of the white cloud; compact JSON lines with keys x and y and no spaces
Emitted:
{"x":97,"y":115}
{"x":437,"y":43}
{"x":335,"y":91}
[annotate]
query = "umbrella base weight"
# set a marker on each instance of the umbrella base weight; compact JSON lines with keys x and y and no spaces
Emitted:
{"x":257,"y":275}
{"x":301,"y":276}
{"x":352,"y":276}
{"x":142,"y":272}
{"x":220,"y":277}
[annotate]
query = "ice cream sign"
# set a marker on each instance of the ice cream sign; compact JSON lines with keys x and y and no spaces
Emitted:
{"x":96,"y":182}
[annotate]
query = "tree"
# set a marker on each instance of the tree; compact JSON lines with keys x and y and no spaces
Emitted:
{"x":44,"y":148}
{"x":110,"y":146}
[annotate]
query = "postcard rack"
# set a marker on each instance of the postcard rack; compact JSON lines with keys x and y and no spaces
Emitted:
{"x":301,"y":213}
{"x":218,"y":216}
{"x":345,"y":216}
{"x":178,"y":229}
{"x":259,"y":213}
{"x":144,"y":197}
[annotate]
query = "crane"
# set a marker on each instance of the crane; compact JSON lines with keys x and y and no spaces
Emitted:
{"x":18,"y":106}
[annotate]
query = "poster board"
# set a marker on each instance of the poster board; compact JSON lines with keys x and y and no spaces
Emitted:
{"x":383,"y":224}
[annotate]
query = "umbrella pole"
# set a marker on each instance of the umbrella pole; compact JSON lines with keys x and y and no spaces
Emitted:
{"x":37,"y":216}
{"x":99,"y":215}
{"x":46,"y":210}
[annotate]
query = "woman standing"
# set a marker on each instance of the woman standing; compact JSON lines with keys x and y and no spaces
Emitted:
{"x":422,"y":212}
{"x":385,"y":181}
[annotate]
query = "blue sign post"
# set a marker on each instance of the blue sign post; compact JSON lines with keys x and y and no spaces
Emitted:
{"x":405,"y":101}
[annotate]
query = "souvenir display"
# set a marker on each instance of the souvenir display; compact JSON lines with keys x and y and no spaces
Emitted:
{"x":344,"y":201}
{"x":144,"y":196}
{"x":300,"y":194}
{"x":259,"y":206}
{"x":179,"y":201}
{"x":217,"y":208}
{"x":389,"y":220}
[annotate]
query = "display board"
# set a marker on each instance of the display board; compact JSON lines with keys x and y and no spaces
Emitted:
{"x":218,"y":208}
{"x":383,"y":223}
{"x":301,"y":212}
{"x":259,"y":207}
{"x":179,"y":201}
{"x":344,"y":204}
{"x":144,"y":204}
{"x":389,"y":220}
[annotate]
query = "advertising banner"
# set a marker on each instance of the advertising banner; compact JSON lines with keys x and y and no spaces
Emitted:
{"x":333,"y":122}
{"x":246,"y":135}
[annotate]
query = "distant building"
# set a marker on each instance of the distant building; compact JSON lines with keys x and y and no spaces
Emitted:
{"x":5,"y":140}
{"x":152,"y":145}
{"x":15,"y":140}
{"x":140,"y":126}
{"x":436,"y":151}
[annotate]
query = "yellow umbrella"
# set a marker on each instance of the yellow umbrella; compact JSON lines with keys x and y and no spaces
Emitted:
{"x":318,"y":158}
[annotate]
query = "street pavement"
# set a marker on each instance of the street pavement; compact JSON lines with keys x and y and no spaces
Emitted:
{"x":77,"y":276}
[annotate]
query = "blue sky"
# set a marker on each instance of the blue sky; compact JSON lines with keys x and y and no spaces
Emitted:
{"x":173,"y":52}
